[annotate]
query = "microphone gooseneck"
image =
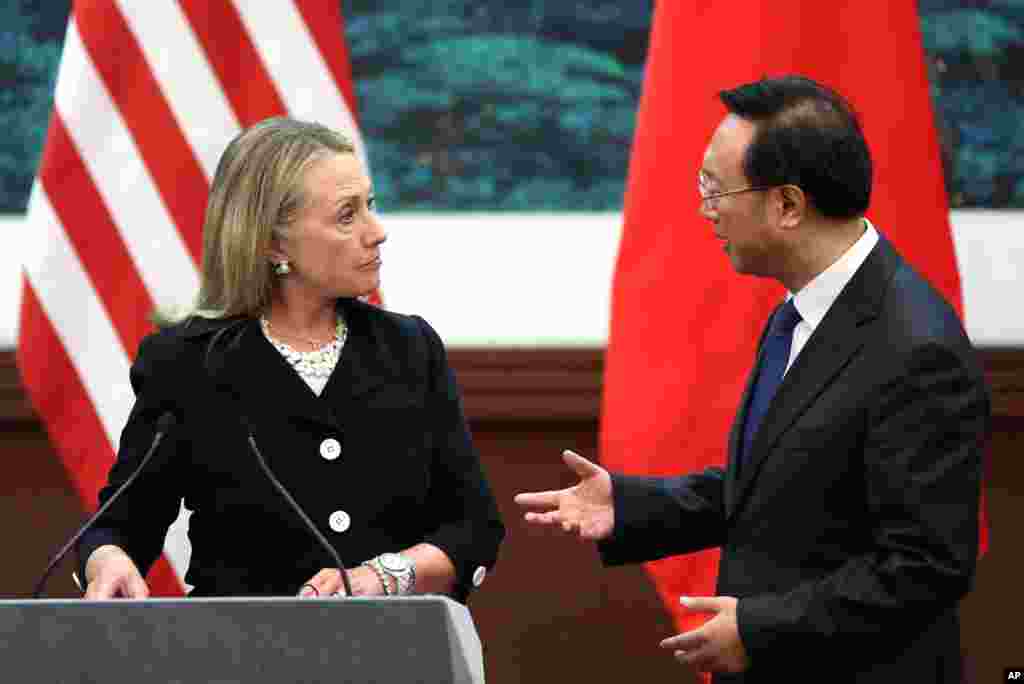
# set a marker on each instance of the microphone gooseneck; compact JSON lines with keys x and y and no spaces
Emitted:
{"x":302,"y":514}
{"x":163,"y":426}
{"x":238,"y":328}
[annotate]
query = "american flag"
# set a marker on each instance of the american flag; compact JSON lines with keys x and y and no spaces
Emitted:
{"x":148,"y":95}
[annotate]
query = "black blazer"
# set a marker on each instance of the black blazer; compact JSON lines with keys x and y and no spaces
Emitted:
{"x":851,"y":533}
{"x":407,"y":472}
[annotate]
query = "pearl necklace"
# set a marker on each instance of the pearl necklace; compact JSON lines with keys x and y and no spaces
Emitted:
{"x":314,"y":366}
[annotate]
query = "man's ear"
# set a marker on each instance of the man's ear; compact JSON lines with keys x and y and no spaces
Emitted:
{"x":792,"y":206}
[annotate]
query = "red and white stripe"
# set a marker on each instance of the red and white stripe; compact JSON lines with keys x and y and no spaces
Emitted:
{"x":147,"y":97}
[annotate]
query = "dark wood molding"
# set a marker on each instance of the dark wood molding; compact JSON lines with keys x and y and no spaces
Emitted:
{"x":1005,"y":371}
{"x":560,"y":384}
{"x":565,"y":383}
{"x":549,"y":385}
{"x":14,"y":405}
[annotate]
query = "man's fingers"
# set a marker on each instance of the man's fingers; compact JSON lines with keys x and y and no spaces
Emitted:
{"x":538,"y":499}
{"x":580,"y":465}
{"x":692,"y":648}
{"x":555,"y":518}
{"x":687,"y":641}
{"x":701,"y":604}
{"x":552,"y":499}
{"x":701,"y":659}
{"x":549,"y":518}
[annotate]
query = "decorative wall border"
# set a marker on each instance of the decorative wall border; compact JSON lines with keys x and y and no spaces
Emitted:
{"x":548,"y":385}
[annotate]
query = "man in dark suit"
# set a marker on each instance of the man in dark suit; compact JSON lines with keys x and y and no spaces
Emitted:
{"x":847,"y":514}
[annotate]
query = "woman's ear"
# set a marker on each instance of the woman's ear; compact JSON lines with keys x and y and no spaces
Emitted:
{"x":275,"y":252}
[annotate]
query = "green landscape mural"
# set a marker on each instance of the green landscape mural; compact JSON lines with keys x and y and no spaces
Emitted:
{"x":475,"y":106}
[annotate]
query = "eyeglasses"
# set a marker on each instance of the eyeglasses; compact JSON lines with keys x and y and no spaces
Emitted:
{"x":709,"y":196}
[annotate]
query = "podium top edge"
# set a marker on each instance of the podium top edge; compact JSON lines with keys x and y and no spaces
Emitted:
{"x":230,"y":600}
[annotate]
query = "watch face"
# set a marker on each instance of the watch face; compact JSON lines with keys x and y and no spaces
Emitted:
{"x":393,"y":562}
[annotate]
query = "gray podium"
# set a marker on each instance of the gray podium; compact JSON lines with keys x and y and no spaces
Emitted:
{"x":253,"y":640}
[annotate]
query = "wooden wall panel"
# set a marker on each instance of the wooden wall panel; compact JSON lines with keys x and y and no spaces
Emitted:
{"x":991,"y":613}
{"x":39,"y":510}
{"x":549,"y":612}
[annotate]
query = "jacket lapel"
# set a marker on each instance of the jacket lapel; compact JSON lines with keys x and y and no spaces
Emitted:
{"x":244,"y":364}
{"x":367,"y":362}
{"x":836,"y":339}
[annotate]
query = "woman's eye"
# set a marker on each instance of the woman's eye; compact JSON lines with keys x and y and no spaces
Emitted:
{"x":346,"y":217}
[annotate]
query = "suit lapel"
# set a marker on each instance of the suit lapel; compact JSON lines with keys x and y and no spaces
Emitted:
{"x":836,"y":339}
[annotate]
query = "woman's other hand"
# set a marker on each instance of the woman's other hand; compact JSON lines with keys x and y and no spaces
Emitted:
{"x":328,"y":582}
{"x":111,"y":573}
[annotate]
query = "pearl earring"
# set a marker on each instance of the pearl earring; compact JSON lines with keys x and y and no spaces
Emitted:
{"x":282,"y":268}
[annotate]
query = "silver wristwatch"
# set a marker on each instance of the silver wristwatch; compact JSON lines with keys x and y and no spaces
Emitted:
{"x":402,"y":568}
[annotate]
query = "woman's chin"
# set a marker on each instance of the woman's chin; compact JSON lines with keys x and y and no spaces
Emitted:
{"x":364,"y":291}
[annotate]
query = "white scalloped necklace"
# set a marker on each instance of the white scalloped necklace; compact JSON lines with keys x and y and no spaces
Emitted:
{"x":316,"y":366}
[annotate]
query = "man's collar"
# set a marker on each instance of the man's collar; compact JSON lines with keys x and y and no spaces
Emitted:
{"x":815,"y":299}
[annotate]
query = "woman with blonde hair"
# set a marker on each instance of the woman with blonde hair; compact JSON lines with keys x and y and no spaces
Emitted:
{"x":353,"y":409}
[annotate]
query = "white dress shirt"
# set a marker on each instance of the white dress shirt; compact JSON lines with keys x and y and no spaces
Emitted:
{"x":817,"y":297}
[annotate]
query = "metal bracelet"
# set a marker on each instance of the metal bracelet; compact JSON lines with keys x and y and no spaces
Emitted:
{"x":404,"y":583}
{"x":381,"y":574}
{"x":412,"y":580}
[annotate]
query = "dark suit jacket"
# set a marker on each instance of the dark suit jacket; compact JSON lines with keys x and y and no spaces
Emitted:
{"x":407,"y":473}
{"x":851,"y":532}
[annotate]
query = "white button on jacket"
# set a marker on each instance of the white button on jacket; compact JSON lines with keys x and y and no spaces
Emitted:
{"x":340,"y":521}
{"x":330,"y":448}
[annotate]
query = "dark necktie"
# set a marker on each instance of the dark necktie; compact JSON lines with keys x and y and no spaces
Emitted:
{"x":774,"y":357}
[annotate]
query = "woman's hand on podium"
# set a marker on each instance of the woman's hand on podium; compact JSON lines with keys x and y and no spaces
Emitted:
{"x":111,"y":573}
{"x":327,"y":582}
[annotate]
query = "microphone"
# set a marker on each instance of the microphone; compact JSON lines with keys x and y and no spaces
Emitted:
{"x":302,"y":514}
{"x":163,"y":426}
{"x":239,"y":328}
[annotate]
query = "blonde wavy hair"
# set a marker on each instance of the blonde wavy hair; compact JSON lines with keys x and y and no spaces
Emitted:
{"x":256,"y":193}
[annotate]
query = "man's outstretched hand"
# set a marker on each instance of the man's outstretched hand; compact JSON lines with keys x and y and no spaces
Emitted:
{"x":586,"y":510}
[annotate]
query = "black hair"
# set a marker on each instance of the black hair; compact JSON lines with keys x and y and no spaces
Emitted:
{"x":806,"y":135}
